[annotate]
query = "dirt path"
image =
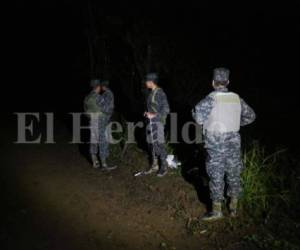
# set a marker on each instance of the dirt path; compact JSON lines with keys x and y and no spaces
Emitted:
{"x":69,"y":205}
{"x":55,"y":200}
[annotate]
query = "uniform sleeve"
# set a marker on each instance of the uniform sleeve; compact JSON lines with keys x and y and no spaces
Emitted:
{"x":106,"y":102}
{"x":203,"y":109}
{"x":163,"y":108}
{"x":247,"y":115}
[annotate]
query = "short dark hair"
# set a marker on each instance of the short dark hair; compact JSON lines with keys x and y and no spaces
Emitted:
{"x":218,"y":84}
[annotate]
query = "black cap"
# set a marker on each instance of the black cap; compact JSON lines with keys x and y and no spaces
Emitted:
{"x":95,"y":82}
{"x":104,"y":83}
{"x":152,"y":77}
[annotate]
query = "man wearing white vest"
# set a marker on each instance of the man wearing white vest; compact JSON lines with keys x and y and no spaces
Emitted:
{"x":221,"y":114}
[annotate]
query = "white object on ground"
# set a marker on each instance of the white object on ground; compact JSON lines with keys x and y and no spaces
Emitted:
{"x":172,"y":162}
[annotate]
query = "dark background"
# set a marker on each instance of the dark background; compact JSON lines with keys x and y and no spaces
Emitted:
{"x":53,"y":48}
{"x":50,"y":62}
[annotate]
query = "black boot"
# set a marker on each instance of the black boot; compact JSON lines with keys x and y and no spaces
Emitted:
{"x":163,"y":170}
{"x":154,"y":167}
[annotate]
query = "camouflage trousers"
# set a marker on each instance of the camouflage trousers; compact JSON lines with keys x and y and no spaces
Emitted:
{"x":156,"y":140}
{"x":99,"y":143}
{"x":223,"y":163}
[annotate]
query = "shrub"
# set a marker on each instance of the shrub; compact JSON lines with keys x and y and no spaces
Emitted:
{"x":264,"y":181}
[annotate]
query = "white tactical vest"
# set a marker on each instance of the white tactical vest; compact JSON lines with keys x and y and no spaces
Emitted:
{"x":226,"y":113}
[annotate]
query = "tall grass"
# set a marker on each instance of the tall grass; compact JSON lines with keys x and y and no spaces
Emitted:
{"x":264,"y":181}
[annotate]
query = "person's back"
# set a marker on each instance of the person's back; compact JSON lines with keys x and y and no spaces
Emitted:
{"x":226,"y":113}
{"x":222,"y":113}
{"x":90,"y":103}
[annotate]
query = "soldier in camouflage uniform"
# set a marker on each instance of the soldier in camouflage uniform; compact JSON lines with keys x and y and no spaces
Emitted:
{"x":222,"y":113}
{"x":157,"y":112}
{"x":99,"y":104}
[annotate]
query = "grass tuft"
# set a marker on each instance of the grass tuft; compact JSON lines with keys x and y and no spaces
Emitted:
{"x":263,"y":181}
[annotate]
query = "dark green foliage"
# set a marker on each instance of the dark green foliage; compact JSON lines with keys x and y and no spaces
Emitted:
{"x":264,"y":180}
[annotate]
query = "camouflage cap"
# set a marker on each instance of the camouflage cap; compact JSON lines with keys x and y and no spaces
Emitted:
{"x":152,"y":77}
{"x":95,"y":82}
{"x":221,"y":75}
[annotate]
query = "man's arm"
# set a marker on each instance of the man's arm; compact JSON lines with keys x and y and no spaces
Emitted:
{"x":106,"y":102}
{"x":247,"y":115}
{"x":203,"y":109}
{"x":163,"y":108}
{"x":109,"y":99}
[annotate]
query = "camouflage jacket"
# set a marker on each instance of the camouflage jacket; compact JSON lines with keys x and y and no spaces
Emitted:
{"x":204,"y":107}
{"x":157,"y":102}
{"x":106,"y":102}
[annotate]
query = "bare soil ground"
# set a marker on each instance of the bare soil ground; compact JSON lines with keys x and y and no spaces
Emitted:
{"x":53,"y":199}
